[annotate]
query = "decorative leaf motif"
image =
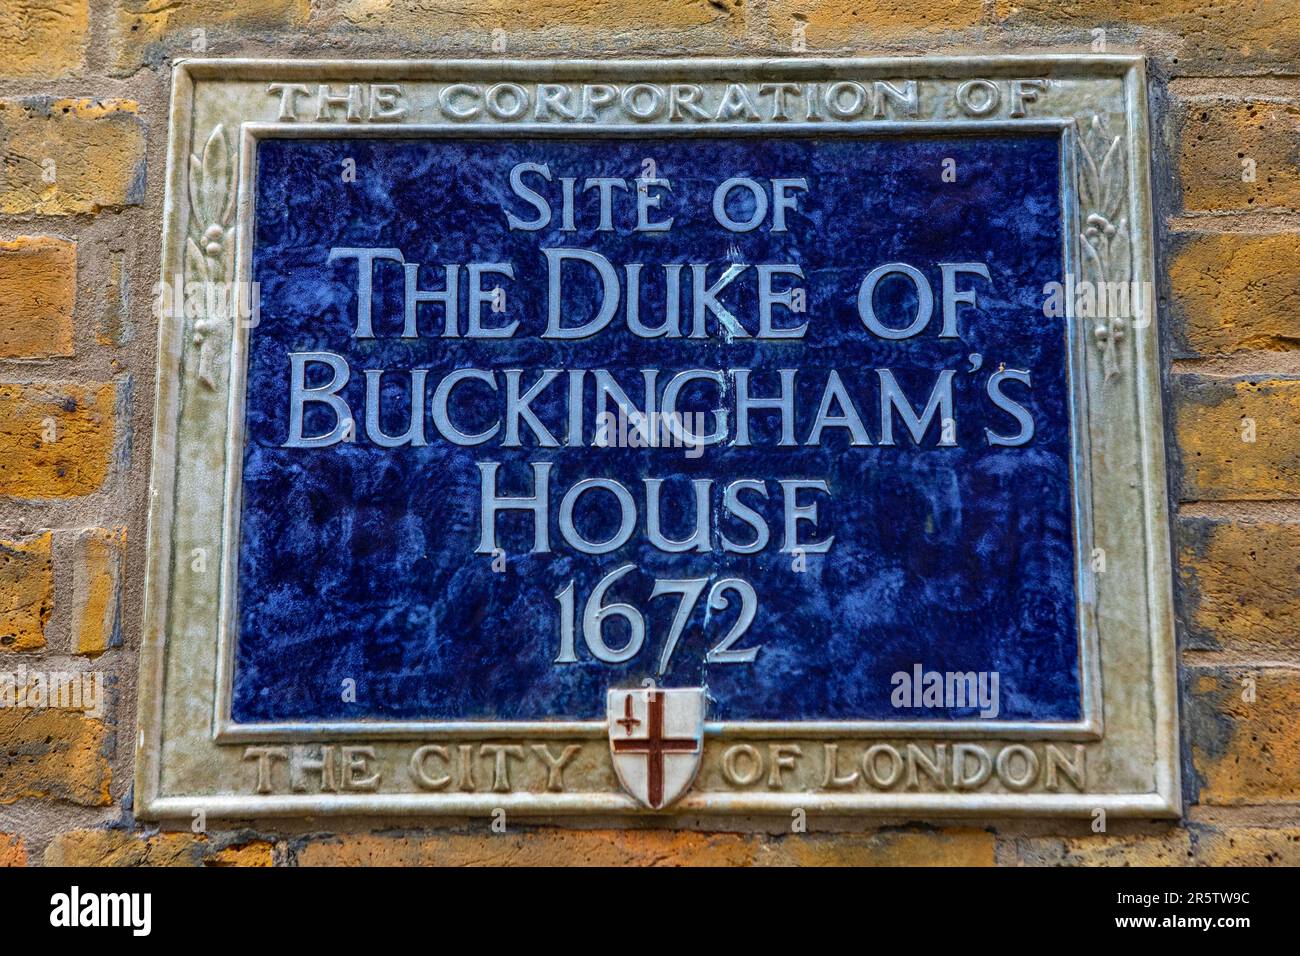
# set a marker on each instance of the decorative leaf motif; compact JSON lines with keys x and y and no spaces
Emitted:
{"x":209,"y":251}
{"x":196,"y":193}
{"x":1104,"y":241}
{"x":196,"y":264}
{"x":1112,"y":180}
{"x":195,"y":261}
{"x":210,"y":179}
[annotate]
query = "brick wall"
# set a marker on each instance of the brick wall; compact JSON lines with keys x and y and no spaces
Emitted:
{"x":83,"y":92}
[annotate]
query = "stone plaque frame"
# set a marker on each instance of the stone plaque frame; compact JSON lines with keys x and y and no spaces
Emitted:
{"x":1122,"y":757}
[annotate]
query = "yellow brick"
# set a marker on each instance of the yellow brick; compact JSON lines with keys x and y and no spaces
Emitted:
{"x":953,"y":847}
{"x":652,"y":848}
{"x":56,"y":441}
{"x":54,"y":754}
{"x":12,"y":851}
{"x":831,"y":21}
{"x":1165,"y":847}
{"x":1245,"y":751}
{"x":63,"y":157}
{"x":149,"y":31}
{"x":1195,"y":33}
{"x":1247,"y":846}
{"x":257,"y":853}
{"x":1194,"y":845}
{"x":1213,"y":417}
{"x":534,"y":848}
{"x":1218,"y":136}
{"x":38,"y":286}
{"x":1237,"y":292}
{"x":123,"y":848}
{"x":96,"y":589}
{"x":26,"y":591}
{"x":1241,"y":585}
{"x":42,"y":38}
{"x":415,"y":18}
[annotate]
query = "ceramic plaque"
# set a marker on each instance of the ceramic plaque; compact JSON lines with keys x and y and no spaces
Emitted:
{"x":712,"y":438}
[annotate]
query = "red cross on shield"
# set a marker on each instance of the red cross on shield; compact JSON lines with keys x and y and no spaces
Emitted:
{"x":656,"y":739}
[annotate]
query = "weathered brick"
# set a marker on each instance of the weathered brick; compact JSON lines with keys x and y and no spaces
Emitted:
{"x":124,"y":848}
{"x":1245,"y":751}
{"x":1194,"y":35}
{"x":1215,"y":417}
{"x":653,"y":848}
{"x":415,"y":18}
{"x":1236,"y":292}
{"x":950,"y":847}
{"x":819,"y":23}
{"x":56,"y":440}
{"x":1246,"y":846}
{"x":97,"y":555}
{"x":534,"y":848}
{"x":1240,"y":584}
{"x":1170,"y":846}
{"x":38,"y":287}
{"x":145,"y":32}
{"x":53,"y":753}
{"x":1181,"y":845}
{"x":43,"y":38}
{"x":1219,"y":136}
{"x":67,"y":156}
{"x":26,"y":591}
{"x":12,"y":850}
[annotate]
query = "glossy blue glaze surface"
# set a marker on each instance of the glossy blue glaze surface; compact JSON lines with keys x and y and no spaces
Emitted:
{"x":357,"y":562}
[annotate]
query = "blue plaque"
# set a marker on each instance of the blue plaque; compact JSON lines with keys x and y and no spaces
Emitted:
{"x":857,"y":320}
{"x":733,"y":438}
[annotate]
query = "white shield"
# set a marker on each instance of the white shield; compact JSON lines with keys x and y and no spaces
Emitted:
{"x":656,"y":739}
